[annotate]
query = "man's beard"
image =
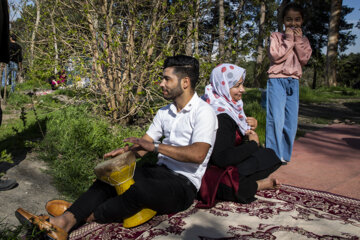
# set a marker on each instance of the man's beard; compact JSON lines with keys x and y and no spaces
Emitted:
{"x":174,"y":93}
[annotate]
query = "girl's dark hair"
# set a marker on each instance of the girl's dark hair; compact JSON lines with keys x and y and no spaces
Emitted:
{"x":293,"y":6}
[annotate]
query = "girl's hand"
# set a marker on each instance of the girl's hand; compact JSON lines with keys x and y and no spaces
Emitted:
{"x":298,"y":32}
{"x":252,"y":122}
{"x":289,"y":31}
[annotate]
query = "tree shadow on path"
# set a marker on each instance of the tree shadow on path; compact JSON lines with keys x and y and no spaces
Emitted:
{"x":17,"y":146}
{"x":332,"y":111}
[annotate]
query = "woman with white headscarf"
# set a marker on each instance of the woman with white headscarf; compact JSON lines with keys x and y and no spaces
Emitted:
{"x":253,"y":164}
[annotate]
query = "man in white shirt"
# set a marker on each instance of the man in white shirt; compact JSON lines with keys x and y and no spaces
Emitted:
{"x":188,"y":127}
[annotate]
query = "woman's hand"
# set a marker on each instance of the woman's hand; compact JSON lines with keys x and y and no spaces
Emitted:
{"x":252,"y":135}
{"x":252,"y":122}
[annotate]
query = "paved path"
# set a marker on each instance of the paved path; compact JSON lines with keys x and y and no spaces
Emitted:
{"x":327,"y":159}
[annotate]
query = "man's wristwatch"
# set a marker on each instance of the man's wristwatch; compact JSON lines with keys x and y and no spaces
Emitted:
{"x":156,"y":146}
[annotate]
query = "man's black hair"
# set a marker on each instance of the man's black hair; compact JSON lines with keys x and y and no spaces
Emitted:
{"x":184,"y":66}
{"x":293,"y":6}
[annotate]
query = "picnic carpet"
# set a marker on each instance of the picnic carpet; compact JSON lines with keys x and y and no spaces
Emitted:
{"x":286,"y":213}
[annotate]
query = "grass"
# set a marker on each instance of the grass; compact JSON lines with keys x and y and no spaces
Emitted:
{"x":16,"y":233}
{"x":14,"y":135}
{"x":252,"y":108}
{"x":10,"y":233}
{"x":323,"y":94}
{"x":75,"y":142}
{"x":319,"y":120}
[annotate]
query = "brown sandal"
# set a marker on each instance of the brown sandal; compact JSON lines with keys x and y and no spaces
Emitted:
{"x":52,"y":231}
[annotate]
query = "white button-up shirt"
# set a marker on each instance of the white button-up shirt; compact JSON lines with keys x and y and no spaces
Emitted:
{"x":196,"y":122}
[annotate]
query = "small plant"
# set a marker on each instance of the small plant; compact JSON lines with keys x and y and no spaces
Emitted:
{"x":10,"y":233}
{"x":27,"y":232}
{"x":6,"y":157}
{"x":31,"y":144}
{"x":300,"y":133}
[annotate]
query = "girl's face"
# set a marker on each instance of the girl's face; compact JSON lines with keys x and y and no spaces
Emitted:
{"x":293,"y":19}
{"x":237,"y":90}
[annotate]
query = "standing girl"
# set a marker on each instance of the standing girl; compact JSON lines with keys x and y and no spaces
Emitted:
{"x":289,"y":51}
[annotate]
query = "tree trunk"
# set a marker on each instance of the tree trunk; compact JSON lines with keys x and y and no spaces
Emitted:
{"x":279,"y":15}
{"x":260,"y":46}
{"x":196,"y":26}
{"x":32,"y":44}
{"x":2,"y":66}
{"x":314,"y":76}
{"x":96,"y":51}
{"x":333,"y":39}
{"x":6,"y":79}
{"x":189,"y":42}
{"x":232,"y":30}
{"x":55,"y":39}
{"x":221,"y":29}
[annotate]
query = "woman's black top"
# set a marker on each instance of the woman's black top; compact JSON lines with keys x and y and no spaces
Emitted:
{"x":248,"y":156}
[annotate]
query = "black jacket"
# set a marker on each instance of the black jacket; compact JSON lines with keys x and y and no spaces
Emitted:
{"x":4,"y":32}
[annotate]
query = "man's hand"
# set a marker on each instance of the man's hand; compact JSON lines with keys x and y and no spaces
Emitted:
{"x":252,"y":135}
{"x":252,"y":122}
{"x":140,"y":147}
{"x":140,"y":144}
{"x":116,"y":152}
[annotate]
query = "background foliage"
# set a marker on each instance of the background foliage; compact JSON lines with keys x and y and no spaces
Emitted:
{"x":119,"y":46}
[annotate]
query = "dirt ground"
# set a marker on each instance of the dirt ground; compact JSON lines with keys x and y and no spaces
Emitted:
{"x":35,"y":186}
{"x":32,"y":193}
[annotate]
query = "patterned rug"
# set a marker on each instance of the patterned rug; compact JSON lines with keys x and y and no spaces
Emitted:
{"x":287,"y":213}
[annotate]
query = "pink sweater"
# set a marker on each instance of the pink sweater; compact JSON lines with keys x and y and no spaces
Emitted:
{"x":287,"y":55}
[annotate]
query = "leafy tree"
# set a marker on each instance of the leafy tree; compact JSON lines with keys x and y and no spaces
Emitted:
{"x":348,"y":70}
{"x":120,"y":45}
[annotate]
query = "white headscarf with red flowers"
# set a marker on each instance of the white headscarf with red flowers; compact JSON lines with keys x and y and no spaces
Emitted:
{"x":217,"y":93}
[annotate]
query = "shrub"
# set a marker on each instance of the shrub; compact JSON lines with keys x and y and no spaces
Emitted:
{"x":16,"y":100}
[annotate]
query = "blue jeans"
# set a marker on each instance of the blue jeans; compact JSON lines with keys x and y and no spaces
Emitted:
{"x":281,"y":115}
{"x":11,"y":71}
